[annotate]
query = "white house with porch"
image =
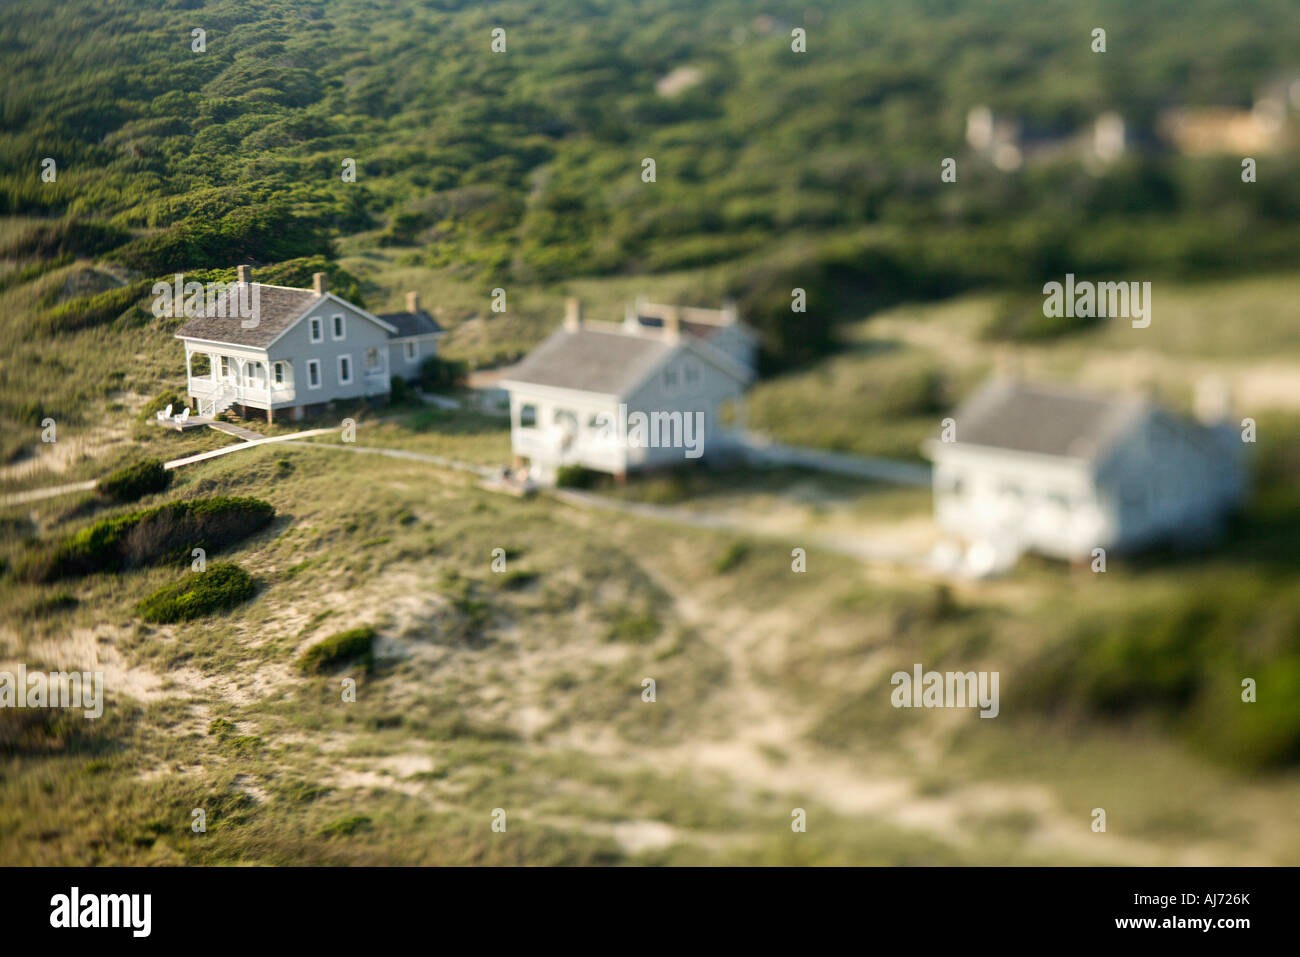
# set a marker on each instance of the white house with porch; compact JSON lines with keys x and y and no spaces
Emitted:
{"x":1063,"y":472}
{"x":581,"y":397}
{"x":299,"y":348}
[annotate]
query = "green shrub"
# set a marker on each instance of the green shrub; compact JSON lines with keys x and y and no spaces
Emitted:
{"x":439,"y":373}
{"x":338,"y":649}
{"x":575,"y":476}
{"x":1183,"y":663}
{"x":88,"y":311}
{"x":158,"y":403}
{"x":345,"y":826}
{"x":147,"y":537}
{"x":69,"y":237}
{"x":221,"y":728}
{"x":735,"y":553}
{"x":517,"y":580}
{"x":632,"y":626}
{"x":135,"y":481}
{"x":223,"y":586}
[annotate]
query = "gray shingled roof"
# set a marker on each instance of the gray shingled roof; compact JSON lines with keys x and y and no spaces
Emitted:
{"x":608,"y":363}
{"x":418,"y":323}
{"x":278,"y":307}
{"x":1023,"y":418}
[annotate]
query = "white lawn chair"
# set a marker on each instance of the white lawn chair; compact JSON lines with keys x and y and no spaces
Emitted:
{"x":182,"y":418}
{"x":166,"y":413}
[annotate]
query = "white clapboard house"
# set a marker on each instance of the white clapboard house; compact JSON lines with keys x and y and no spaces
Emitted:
{"x":615,"y":396}
{"x":303,"y":348}
{"x":1062,"y":472}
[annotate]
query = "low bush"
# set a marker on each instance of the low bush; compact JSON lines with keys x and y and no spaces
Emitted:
{"x":135,"y":481}
{"x":96,"y":310}
{"x":148,"y":537}
{"x":631,"y":626}
{"x":439,"y":373}
{"x":735,"y":553}
{"x":400,"y":391}
{"x":346,"y":826}
{"x":158,"y":403}
{"x":576,"y":476}
{"x":1185,"y":663}
{"x":338,"y":649}
{"x":223,"y":586}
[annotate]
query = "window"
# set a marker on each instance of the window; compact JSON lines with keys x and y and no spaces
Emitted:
{"x":317,"y":334}
{"x":670,"y":379}
{"x":527,"y":416}
{"x":692,"y":375}
{"x":227,"y":369}
{"x":1012,"y":490}
{"x":337,"y":322}
{"x":313,"y":373}
{"x":412,"y":351}
{"x":279,"y":373}
{"x":372,"y":360}
{"x":200,"y":367}
{"x":345,"y":370}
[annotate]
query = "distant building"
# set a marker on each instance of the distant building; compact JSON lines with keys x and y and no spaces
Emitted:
{"x":1062,"y":472}
{"x":1219,"y":129}
{"x":303,"y":348}
{"x":997,"y":139}
{"x":416,"y":338}
{"x":1108,"y":137}
{"x":1008,"y":144}
{"x":1211,"y":130}
{"x":576,"y":399}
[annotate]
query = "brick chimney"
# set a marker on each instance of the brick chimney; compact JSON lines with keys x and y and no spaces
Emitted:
{"x":318,"y":283}
{"x":673,"y":324}
{"x":412,"y":302}
{"x":244,"y":274}
{"x":572,"y":314}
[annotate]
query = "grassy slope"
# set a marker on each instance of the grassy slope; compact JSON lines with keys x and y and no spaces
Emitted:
{"x":522,"y":691}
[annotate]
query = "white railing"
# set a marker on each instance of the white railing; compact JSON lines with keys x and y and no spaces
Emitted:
{"x":215,"y":397}
{"x":217,"y":400}
{"x":550,"y":446}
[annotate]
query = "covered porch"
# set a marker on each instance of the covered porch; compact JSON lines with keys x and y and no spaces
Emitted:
{"x":217,"y":378}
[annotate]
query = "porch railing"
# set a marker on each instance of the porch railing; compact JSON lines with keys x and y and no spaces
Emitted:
{"x":215,"y":397}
